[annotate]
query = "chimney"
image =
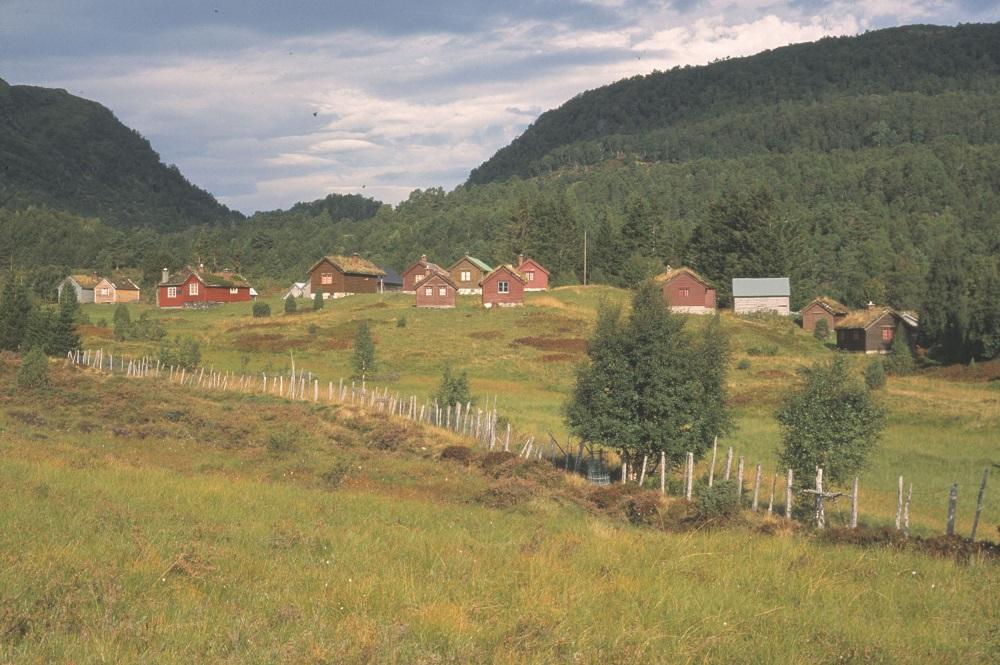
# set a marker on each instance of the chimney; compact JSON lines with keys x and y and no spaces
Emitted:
{"x":520,"y":260}
{"x":872,"y":306}
{"x":166,"y":275}
{"x":423,"y":258}
{"x":201,"y":267}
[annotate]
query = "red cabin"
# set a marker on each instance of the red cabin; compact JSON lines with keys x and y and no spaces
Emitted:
{"x":536,"y":278}
{"x":504,"y":287}
{"x":192,"y":288}
{"x":436,"y":290}
{"x":418,"y":271}
{"x":686,"y":291}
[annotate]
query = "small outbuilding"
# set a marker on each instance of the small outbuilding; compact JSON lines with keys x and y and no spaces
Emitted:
{"x":122,"y":289}
{"x":392,"y":281}
{"x":686,"y":291}
{"x":536,"y":277}
{"x":761,"y":294}
{"x":872,"y":330}
{"x":418,"y":271}
{"x":436,"y":290}
{"x":298,"y":290}
{"x":503,"y":287}
{"x":83,"y":285}
{"x":823,"y":308}
{"x":467,"y":272}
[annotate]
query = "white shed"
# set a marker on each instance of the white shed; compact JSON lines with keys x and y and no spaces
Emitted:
{"x":763,"y":294}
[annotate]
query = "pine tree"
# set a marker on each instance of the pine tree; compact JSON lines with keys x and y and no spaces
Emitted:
{"x":318,"y":301}
{"x":290,"y":305}
{"x":900,"y":360}
{"x":122,"y":322}
{"x":363,"y":360}
{"x":64,"y":337}
{"x":34,"y":370}
{"x":15,"y":307}
{"x":454,"y":388}
{"x":39,"y":330}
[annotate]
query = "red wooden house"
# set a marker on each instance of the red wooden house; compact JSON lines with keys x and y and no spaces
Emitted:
{"x":197,"y":288}
{"x":503,"y":287}
{"x":823,"y":308}
{"x":871,"y":330}
{"x":686,"y":291}
{"x":336,"y":276}
{"x":418,"y":271}
{"x":436,"y":290}
{"x":536,"y":278}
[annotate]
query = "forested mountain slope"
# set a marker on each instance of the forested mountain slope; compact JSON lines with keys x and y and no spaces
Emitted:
{"x":883,"y":86}
{"x":72,"y":154}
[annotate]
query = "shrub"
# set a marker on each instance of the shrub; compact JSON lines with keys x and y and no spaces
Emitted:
{"x":318,"y":301}
{"x":900,"y":360}
{"x":123,"y":322}
{"x":766,"y":350}
{"x":875,"y":374}
{"x":146,"y":328}
{"x":34,"y":370}
{"x":460,"y":454}
{"x":335,"y":475}
{"x":643,"y":508}
{"x":313,"y":329}
{"x":280,"y":443}
{"x":183,"y":352}
{"x":401,"y":322}
{"x":720,"y":501}
{"x":822,"y":330}
{"x":743,"y":364}
{"x":290,"y":305}
{"x":261,"y":310}
{"x":454,"y":389}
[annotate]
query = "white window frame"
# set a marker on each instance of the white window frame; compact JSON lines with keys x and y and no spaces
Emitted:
{"x":503,"y":287}
{"x":233,"y":290}
{"x":171,"y":291}
{"x":442,"y":292}
{"x":429,"y":291}
{"x":466,"y":276}
{"x":326,"y":278}
{"x":193,"y":289}
{"x":104,"y":291}
{"x":530,"y":276}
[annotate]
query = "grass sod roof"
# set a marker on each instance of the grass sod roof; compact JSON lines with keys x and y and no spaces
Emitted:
{"x":670,"y":273}
{"x":352,"y":265}
{"x":86,"y":281}
{"x":864,"y":318}
{"x":124,"y":284}
{"x":210,"y":279}
{"x":829,"y":304}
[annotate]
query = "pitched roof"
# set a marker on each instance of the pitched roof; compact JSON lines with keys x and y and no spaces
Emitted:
{"x":829,"y":304}
{"x":760,"y":287}
{"x":670,"y":273}
{"x":443,"y":276}
{"x":540,"y":266}
{"x":352,"y":265}
{"x":391,"y":277}
{"x":124,"y":284}
{"x":209,"y":279}
{"x":474,"y":261}
{"x":865,"y":318}
{"x":86,"y":281}
{"x":507,"y":267}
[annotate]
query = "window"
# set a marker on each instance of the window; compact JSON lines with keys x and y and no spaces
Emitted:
{"x":233,"y":290}
{"x":442,"y":292}
{"x":326,"y":278}
{"x":171,"y":291}
{"x":530,"y":276}
{"x":428,"y":291}
{"x":503,"y":287}
{"x":683,"y":292}
{"x":104,"y":291}
{"x":466,"y":276}
{"x":887,"y":333}
{"x":193,"y":289}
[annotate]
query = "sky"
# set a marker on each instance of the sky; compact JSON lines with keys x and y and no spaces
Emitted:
{"x":265,"y":104}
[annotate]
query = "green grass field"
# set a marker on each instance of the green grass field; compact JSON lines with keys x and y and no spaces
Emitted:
{"x":145,"y":522}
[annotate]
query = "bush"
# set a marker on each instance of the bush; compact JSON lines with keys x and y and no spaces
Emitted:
{"x":290,"y":305}
{"x":900,"y":360}
{"x":460,"y":454}
{"x":743,"y":364}
{"x":123,"y":322}
{"x":720,"y":501}
{"x":454,"y":389}
{"x":313,"y":329}
{"x":34,"y":370}
{"x":822,"y":330}
{"x":767,"y":350}
{"x":146,"y":328}
{"x":318,"y":301}
{"x":335,"y":475}
{"x":183,"y":352}
{"x":401,"y":322}
{"x":261,"y":310}
{"x":280,"y":443}
{"x":875,"y":374}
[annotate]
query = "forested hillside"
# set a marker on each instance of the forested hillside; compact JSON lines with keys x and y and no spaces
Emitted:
{"x":72,"y":154}
{"x":882,"y":87}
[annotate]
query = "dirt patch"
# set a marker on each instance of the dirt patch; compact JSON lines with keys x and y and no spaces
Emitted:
{"x":952,"y":547}
{"x":507,"y":493}
{"x":460,"y":454}
{"x":261,"y":342}
{"x":773,"y":373}
{"x":376,"y":305}
{"x":983,"y":372}
{"x":95,"y":331}
{"x":561,"y":344}
{"x":337,"y":344}
{"x":486,"y":334}
{"x":28,"y":418}
{"x":557,"y":358}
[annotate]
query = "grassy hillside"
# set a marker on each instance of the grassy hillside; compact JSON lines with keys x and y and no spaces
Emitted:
{"x":940,"y":430}
{"x":72,"y":154}
{"x":144,"y":522}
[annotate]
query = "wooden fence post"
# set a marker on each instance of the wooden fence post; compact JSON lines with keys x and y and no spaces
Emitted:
{"x":739,"y":478}
{"x":624,"y":471}
{"x":906,"y":512}
{"x":899,"y":504}
{"x":642,"y":475}
{"x":952,"y":506}
{"x":711,"y":469}
{"x":770,"y":502}
{"x":756,"y":487}
{"x":663,"y":472}
{"x":729,"y":462}
{"x":788,"y":494}
{"x":690,"y":476}
{"x":854,"y":504}
{"x":820,"y":511}
{"x":979,"y":503}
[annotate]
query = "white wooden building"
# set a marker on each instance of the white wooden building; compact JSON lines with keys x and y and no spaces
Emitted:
{"x":763,"y":294}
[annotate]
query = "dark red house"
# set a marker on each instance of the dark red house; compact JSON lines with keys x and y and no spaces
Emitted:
{"x":503,"y":287}
{"x":871,"y":330}
{"x":336,"y":276}
{"x":536,"y":278}
{"x":436,"y":290}
{"x":686,"y":291}
{"x":418,"y":271}
{"x":197,"y":288}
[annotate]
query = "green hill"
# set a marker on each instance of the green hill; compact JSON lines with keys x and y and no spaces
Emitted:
{"x":72,"y":154}
{"x":907,"y":84}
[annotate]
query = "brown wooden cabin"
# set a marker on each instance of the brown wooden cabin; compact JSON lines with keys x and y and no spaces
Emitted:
{"x":467,"y":272}
{"x":871,"y":330}
{"x":686,"y":291}
{"x":503,"y":287}
{"x":436,"y":290}
{"x":418,"y":271}
{"x":823,"y":308}
{"x":336,"y":276}
{"x":122,"y":289}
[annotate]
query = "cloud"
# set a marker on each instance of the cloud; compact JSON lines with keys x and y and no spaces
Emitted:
{"x":269,"y":104}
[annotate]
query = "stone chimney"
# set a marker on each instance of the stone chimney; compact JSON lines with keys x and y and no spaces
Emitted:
{"x":520,"y":260}
{"x":423,"y":258}
{"x":201,"y":267}
{"x":166,"y":275}
{"x":872,"y":306}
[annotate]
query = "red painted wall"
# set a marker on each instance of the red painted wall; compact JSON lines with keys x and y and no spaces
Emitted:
{"x":699,"y":295}
{"x":492,"y":297}
{"x":541,"y":278}
{"x":205,"y":295}
{"x":435,"y":299}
